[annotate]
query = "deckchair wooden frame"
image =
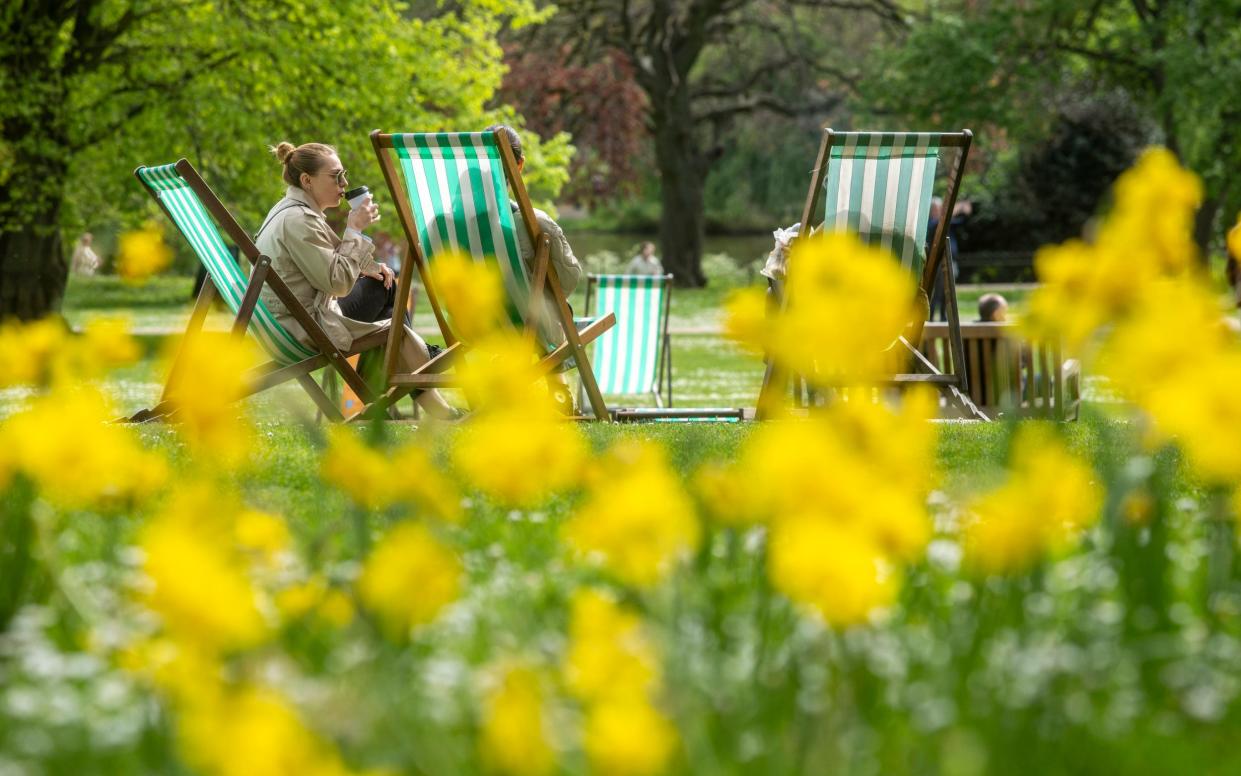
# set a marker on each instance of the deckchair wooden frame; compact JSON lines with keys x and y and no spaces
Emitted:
{"x":663,"y":369}
{"x":273,"y":372}
{"x":544,"y":275}
{"x":954,"y":383}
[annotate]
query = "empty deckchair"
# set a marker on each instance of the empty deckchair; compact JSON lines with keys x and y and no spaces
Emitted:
{"x":879,"y":186}
{"x":195,"y":210}
{"x":634,"y":357}
{"x":452,"y":192}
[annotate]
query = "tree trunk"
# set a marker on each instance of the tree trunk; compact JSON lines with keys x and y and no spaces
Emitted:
{"x":1204,"y":226}
{"x":32,"y":262}
{"x":32,"y":274}
{"x":33,"y":271}
{"x":682,"y":170}
{"x":682,"y":217}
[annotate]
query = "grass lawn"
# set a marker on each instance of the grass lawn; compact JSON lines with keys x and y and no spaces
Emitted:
{"x":708,"y":371}
{"x":1112,"y":655}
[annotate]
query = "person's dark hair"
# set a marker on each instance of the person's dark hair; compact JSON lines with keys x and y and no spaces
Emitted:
{"x":989,"y":305}
{"x":307,"y":158}
{"x":510,"y":134}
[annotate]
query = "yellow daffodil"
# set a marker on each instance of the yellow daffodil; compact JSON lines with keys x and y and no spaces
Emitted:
{"x":1050,"y":497}
{"x":142,"y":253}
{"x":408,"y":578}
{"x":638,"y":521}
{"x":514,"y":737}
{"x":608,"y":655}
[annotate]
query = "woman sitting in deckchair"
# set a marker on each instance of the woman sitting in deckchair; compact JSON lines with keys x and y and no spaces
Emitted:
{"x":320,"y":267}
{"x":560,"y":256}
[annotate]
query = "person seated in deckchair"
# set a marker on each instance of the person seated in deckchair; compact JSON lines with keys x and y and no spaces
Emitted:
{"x":560,"y":253}
{"x":320,"y":268}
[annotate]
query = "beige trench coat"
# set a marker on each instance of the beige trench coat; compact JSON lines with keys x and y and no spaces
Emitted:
{"x":317,"y":265}
{"x":560,"y":255}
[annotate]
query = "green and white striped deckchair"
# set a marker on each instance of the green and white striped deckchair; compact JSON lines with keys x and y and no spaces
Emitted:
{"x":879,"y":186}
{"x":634,"y":357}
{"x":191,"y":205}
{"x":452,"y":191}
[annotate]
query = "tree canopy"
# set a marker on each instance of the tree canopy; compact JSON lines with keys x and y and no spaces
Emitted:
{"x":96,"y":87}
{"x":1005,"y":67}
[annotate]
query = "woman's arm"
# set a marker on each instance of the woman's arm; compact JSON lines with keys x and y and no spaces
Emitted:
{"x":561,"y":256}
{"x":330,"y":265}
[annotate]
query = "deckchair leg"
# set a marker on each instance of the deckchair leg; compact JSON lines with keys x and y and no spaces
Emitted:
{"x":246,"y":310}
{"x":321,"y":400}
{"x":202,"y":305}
{"x":775,"y":382}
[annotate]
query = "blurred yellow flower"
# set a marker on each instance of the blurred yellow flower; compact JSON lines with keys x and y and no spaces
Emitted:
{"x":1201,"y":411}
{"x":359,"y":470}
{"x":514,"y":737}
{"x":44,"y":352}
{"x":472,"y":294}
{"x":638,"y":521}
{"x":378,"y":479}
{"x":315,"y":598}
{"x":628,"y":737}
{"x":419,"y":482}
{"x":1152,"y":220}
{"x":180,"y":670}
{"x":195,"y":579}
{"x":835,"y":570}
{"x":67,"y":443}
{"x":745,"y":318}
{"x":836,"y":282}
{"x":27,"y":350}
{"x":408,"y":578}
{"x":517,"y":459}
{"x":213,"y":379}
{"x":1148,"y":235}
{"x":105,"y":344}
{"x":1234,"y":239}
{"x":141,"y":253}
{"x":501,"y":372}
{"x":266,"y":535}
{"x":881,"y":462}
{"x":252,"y":731}
{"x":1050,"y":497}
{"x":1176,"y":330}
{"x":608,"y":655}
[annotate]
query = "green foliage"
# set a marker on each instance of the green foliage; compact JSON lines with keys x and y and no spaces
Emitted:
{"x":219,"y":82}
{"x":1048,"y":190}
{"x":996,"y":67}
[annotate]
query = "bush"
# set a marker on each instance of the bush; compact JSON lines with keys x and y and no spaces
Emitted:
{"x":1049,"y":190}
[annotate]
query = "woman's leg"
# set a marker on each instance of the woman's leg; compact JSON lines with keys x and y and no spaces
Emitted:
{"x":368,"y":301}
{"x":413,"y":355}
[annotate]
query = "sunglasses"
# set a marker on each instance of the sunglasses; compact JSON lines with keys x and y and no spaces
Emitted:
{"x":341,"y":176}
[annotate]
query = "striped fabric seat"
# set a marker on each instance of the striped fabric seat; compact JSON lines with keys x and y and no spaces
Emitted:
{"x":192,"y":219}
{"x":878,"y":185}
{"x":460,"y":202}
{"x":627,"y":359}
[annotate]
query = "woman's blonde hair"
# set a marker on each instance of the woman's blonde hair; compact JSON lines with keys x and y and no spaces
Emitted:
{"x":306,"y":158}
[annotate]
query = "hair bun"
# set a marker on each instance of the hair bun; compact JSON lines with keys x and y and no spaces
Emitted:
{"x":283,"y":150}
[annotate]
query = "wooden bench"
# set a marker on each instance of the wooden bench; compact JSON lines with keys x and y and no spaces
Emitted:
{"x":1008,"y":375}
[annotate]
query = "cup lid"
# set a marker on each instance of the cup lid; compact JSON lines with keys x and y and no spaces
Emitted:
{"x":357,"y":191}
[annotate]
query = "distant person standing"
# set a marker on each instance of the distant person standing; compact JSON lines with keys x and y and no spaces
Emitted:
{"x":645,"y":262}
{"x":85,"y":261}
{"x":960,"y":212}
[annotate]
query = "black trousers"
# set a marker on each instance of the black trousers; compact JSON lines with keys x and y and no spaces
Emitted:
{"x":369,"y":301}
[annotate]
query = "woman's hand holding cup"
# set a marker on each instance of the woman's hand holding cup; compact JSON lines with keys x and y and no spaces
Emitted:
{"x":363,"y":211}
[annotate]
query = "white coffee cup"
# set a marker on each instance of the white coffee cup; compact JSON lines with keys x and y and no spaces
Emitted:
{"x":358,"y":197}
